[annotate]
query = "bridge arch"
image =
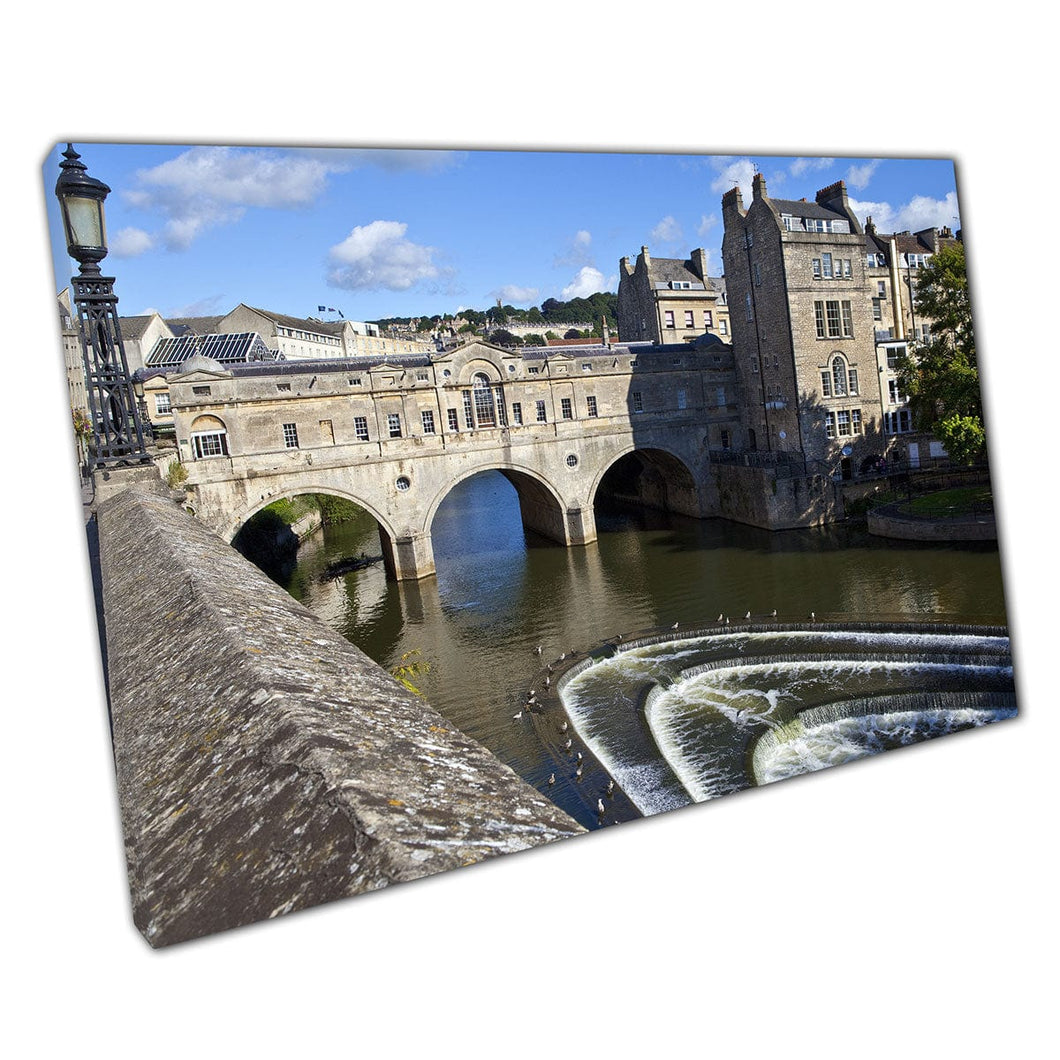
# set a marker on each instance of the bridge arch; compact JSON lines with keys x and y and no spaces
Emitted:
{"x":652,"y":477}
{"x":542,"y":507}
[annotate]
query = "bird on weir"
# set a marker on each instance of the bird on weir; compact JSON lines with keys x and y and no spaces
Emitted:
{"x":674,"y":626}
{"x":537,"y":650}
{"x":813,"y":617}
{"x":516,"y":717}
{"x":747,"y":617}
{"x":551,"y":779}
{"x":563,"y":726}
{"x":579,"y":756}
{"x":774,"y":614}
{"x":610,"y":786}
{"x":720,"y":618}
{"x":578,"y":771}
{"x":600,"y":807}
{"x":567,"y":745}
{"x":548,"y":681}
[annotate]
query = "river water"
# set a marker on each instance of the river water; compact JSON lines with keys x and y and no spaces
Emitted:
{"x":500,"y":593}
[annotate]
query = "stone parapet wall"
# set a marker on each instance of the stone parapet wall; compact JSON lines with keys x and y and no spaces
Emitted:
{"x":758,"y":497}
{"x":264,"y":763}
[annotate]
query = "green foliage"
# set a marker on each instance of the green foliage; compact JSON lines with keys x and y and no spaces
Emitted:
{"x":410,"y":667}
{"x":941,"y":377}
{"x":963,"y":438}
{"x":533,"y":339}
{"x":176,"y":475}
{"x":335,"y":509}
{"x":503,"y":337}
{"x":82,"y":424}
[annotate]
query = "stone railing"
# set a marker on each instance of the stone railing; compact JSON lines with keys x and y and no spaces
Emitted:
{"x":264,"y":763}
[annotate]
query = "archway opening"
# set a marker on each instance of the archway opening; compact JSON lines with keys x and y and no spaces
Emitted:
{"x":495,"y":515}
{"x":271,"y":537}
{"x":649,"y":479}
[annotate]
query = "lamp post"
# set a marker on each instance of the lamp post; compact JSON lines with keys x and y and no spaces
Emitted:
{"x":117,"y":428}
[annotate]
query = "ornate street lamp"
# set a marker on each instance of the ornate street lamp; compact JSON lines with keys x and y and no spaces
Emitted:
{"x":117,"y":428}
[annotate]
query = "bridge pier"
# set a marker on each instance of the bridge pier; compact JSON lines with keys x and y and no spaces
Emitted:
{"x":408,"y":558}
{"x":581,"y":525}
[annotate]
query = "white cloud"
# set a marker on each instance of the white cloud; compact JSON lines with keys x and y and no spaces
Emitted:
{"x":858,"y":176}
{"x":340,"y":159}
{"x":667,"y":231}
{"x":130,"y":243}
{"x":808,"y":165}
{"x":512,"y":294}
{"x":919,"y":213}
{"x":203,"y":307}
{"x":378,"y":255}
{"x":706,"y":224}
{"x":577,"y":250}
{"x":587,"y":281}
{"x":739,"y":171}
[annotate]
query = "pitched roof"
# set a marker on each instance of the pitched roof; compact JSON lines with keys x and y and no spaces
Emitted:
{"x":804,"y":208}
{"x":193,"y":325}
{"x":668,"y":270}
{"x":134,"y":327}
{"x":321,"y":327}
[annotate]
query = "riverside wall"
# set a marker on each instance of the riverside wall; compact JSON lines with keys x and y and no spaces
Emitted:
{"x":264,"y":763}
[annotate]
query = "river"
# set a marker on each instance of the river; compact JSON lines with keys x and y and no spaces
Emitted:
{"x":500,"y":593}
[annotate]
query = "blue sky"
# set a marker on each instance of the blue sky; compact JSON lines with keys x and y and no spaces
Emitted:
{"x":194,"y":230}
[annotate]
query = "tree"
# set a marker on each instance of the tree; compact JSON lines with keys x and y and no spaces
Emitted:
{"x":941,"y":376}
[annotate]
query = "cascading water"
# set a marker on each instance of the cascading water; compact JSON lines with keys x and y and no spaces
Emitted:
{"x":681,"y":720}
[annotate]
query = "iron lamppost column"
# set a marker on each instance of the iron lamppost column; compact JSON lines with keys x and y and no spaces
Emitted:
{"x":117,"y":428}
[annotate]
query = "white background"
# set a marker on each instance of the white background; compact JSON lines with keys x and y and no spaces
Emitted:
{"x":899,"y":907}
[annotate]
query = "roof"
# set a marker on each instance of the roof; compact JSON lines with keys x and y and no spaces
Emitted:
{"x":805,"y":208}
{"x":193,"y":325}
{"x":134,"y":327}
{"x":321,"y":327}
{"x":223,"y":349}
{"x":667,"y":270}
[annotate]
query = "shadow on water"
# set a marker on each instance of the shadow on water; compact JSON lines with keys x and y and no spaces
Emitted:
{"x":501,"y":592}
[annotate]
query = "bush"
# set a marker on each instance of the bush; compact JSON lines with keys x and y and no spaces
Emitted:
{"x":176,"y":475}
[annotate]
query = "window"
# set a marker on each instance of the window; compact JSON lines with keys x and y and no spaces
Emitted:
{"x":209,"y":443}
{"x":826,"y":266}
{"x":427,"y":415}
{"x":723,"y":327}
{"x":855,"y":420}
{"x":881,"y":289}
{"x":542,"y":415}
{"x":842,"y":418}
{"x":690,"y":318}
{"x":587,"y":366}
{"x":877,"y":311}
{"x":355,"y":380}
{"x":708,"y":318}
{"x":572,"y":460}
{"x":682,"y":399}
{"x":590,"y":403}
{"x":893,"y":353}
{"x":833,"y":319}
{"x":638,"y":401}
{"x":754,"y":365}
{"x":829,"y":424}
{"x":749,"y":237}
{"x":839,"y":376}
{"x":469,"y":415}
{"x":675,"y":362}
{"x":893,"y":392}
{"x":454,"y":422}
{"x":283,"y":386}
{"x":725,"y":443}
{"x":721,"y":396}
{"x":816,"y":268}
{"x":757,"y":274}
{"x":485,"y":410}
{"x":826,"y":384}
{"x":750,"y":312}
{"x":534,"y":371}
{"x":360,"y":428}
{"x":327,"y":432}
{"x":852,"y":380}
{"x":517,"y":412}
{"x":393,"y":425}
{"x":668,"y":318}
{"x":565,"y":408}
{"x":202,"y":391}
{"x":290,"y":436}
{"x":162,"y":405}
{"x":422,"y":377}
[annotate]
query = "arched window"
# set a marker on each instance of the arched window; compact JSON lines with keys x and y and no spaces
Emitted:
{"x":485,"y":411}
{"x":839,"y":375}
{"x":209,"y":437}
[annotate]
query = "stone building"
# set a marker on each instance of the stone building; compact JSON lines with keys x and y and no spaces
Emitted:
{"x":669,"y":300}
{"x":803,"y":328}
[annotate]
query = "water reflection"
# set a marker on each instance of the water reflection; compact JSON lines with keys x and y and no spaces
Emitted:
{"x":500,"y":591}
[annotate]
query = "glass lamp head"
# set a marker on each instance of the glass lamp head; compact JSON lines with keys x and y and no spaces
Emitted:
{"x":81,"y":200}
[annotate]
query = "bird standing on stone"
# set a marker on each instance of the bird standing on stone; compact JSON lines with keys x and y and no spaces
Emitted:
{"x":774,"y":614}
{"x":600,"y":807}
{"x":720,"y":618}
{"x":567,"y":745}
{"x":813,"y":617}
{"x":610,"y":786}
{"x":674,"y":626}
{"x":747,"y":617}
{"x":563,"y":726}
{"x":516,"y":717}
{"x":578,"y":771}
{"x":537,"y":650}
{"x":551,"y":779}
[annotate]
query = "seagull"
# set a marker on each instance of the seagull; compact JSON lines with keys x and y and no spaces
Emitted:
{"x":551,"y":779}
{"x":726,"y":620}
{"x":774,"y":614}
{"x":579,"y":756}
{"x":562,"y":656}
{"x":516,"y":717}
{"x":747,"y":617}
{"x":563,"y":726}
{"x":537,"y":650}
{"x":720,"y":618}
{"x":578,"y":771}
{"x":600,"y":807}
{"x":548,"y":681}
{"x":567,"y":745}
{"x":610,"y":787}
{"x":813,"y":617}
{"x":550,"y":671}
{"x":674,"y":626}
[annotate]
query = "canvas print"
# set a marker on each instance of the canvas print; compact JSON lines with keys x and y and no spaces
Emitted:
{"x":446,"y":503}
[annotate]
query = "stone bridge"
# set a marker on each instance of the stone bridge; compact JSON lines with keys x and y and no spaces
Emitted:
{"x":395,"y":436}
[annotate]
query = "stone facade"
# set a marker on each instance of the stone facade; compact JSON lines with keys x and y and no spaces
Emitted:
{"x":803,"y":328}
{"x":395,"y":436}
{"x":669,"y":300}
